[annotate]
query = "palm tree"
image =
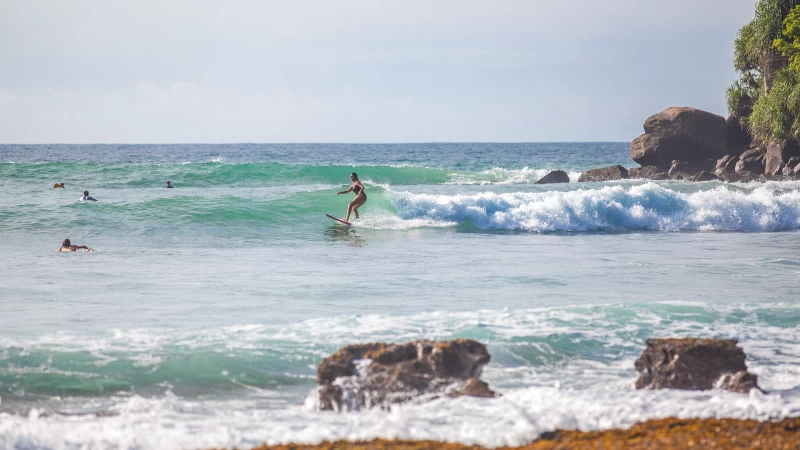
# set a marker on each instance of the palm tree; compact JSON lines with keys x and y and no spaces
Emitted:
{"x":754,"y":44}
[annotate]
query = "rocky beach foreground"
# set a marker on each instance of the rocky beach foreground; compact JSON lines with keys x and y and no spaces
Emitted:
{"x":726,"y":434}
{"x":380,"y":375}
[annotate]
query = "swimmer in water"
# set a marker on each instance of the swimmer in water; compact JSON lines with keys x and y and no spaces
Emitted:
{"x":169,"y":185}
{"x":57,"y":185}
{"x":67,"y":246}
{"x":361,"y":196}
{"x":87,"y":198}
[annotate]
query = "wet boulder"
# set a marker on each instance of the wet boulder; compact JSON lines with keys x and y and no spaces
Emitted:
{"x":740,"y":177}
{"x":694,"y":364}
{"x":792,"y":167}
{"x":751,"y":161}
{"x":703,"y":175}
{"x":379,"y":374}
{"x":685,"y":134}
{"x":609,"y":173}
{"x":726,"y":164}
{"x":648,"y":172}
{"x":556,"y":176}
{"x":778,"y":154}
{"x":684,"y":170}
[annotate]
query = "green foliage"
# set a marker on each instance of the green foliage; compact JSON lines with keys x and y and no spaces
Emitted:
{"x":740,"y":101}
{"x":767,"y":95}
{"x":776,"y":114}
{"x":789,"y":42}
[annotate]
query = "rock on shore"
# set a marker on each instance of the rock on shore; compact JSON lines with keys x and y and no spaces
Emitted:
{"x":605,"y":174}
{"x":694,"y":364}
{"x":680,"y":133}
{"x":719,"y":434}
{"x":379,"y":374}
{"x":556,"y":176}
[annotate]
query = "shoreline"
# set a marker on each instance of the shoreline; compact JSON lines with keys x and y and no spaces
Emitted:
{"x":667,"y":433}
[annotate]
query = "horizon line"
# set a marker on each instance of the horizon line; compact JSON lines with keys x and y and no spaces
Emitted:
{"x":317,"y":143}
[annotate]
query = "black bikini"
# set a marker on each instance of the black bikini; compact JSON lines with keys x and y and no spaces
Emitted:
{"x":356,"y":189}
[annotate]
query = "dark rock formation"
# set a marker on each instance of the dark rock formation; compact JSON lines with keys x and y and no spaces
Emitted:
{"x":751,"y":161}
{"x":726,"y":164}
{"x":605,"y":174}
{"x":363,"y":376}
{"x":648,"y":172}
{"x":556,"y":176}
{"x":703,"y":176}
{"x":683,"y":170}
{"x":740,"y":177}
{"x":739,"y":138}
{"x":685,"y":134}
{"x":792,"y":168}
{"x":694,"y":364}
{"x":778,"y":154}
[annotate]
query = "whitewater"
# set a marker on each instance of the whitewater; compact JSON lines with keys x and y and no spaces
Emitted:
{"x":199,"y":320}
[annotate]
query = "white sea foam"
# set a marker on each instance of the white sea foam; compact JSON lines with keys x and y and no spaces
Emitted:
{"x":499,"y":175}
{"x":518,"y":417}
{"x":556,"y":367}
{"x":648,"y":206}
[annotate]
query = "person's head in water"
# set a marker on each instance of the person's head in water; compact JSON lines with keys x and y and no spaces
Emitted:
{"x":66,"y":242}
{"x":168,"y":185}
{"x":85,"y":193}
{"x":354,"y":177}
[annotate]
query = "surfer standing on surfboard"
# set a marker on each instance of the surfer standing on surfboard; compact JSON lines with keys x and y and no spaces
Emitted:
{"x":361,"y":196}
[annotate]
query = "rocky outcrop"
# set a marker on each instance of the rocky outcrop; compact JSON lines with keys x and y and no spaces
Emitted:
{"x":778,"y":154}
{"x":751,"y":161}
{"x":378,"y":374}
{"x":694,"y":364}
{"x":556,"y":176}
{"x":648,"y":172}
{"x":685,"y":134}
{"x":605,"y":174}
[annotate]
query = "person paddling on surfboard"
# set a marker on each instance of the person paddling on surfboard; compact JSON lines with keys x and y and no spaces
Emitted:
{"x":67,"y":246}
{"x":361,"y":196}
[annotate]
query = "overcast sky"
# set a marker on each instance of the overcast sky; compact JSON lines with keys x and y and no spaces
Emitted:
{"x":166,"y":71}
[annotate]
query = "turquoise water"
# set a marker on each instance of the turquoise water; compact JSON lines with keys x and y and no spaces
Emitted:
{"x":201,"y":317}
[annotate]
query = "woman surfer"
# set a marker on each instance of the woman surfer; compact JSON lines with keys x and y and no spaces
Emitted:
{"x":361,"y":196}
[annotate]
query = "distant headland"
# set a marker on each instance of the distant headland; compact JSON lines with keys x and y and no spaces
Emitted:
{"x":759,"y":139}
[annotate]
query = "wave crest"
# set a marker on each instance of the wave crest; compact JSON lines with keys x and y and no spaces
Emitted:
{"x":648,"y":206}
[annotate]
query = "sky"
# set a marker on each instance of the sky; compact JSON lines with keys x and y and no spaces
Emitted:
{"x":170,"y":71}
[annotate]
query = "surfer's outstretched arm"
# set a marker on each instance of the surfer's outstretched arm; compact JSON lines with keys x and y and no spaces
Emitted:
{"x":350,"y":189}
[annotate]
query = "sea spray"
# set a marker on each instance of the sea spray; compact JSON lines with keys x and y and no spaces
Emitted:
{"x":648,"y":206}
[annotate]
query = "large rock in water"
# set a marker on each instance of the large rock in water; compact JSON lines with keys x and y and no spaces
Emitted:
{"x":685,"y":134}
{"x":694,"y":364}
{"x":378,"y":374}
{"x":556,"y":176}
{"x":605,"y":174}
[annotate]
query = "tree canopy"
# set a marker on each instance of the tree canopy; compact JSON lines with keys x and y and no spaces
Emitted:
{"x":766,"y":97}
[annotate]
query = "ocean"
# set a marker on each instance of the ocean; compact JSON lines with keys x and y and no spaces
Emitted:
{"x":199,"y":320}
